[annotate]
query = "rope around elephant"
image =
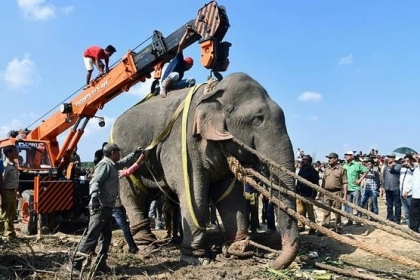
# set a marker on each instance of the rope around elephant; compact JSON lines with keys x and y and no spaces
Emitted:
{"x":242,"y":175}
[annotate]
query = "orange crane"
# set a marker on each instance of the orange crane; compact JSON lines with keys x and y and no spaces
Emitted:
{"x":48,"y":183}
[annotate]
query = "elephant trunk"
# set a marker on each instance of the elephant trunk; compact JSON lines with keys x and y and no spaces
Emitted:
{"x":286,"y":225}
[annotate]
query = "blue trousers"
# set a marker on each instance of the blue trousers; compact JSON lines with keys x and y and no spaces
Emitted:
{"x":120,"y":217}
{"x":372,"y":194}
{"x":393,"y":200}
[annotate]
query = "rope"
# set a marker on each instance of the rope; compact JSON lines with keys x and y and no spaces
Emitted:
{"x":413,"y":235}
{"x":328,"y":208}
{"x":240,"y":173}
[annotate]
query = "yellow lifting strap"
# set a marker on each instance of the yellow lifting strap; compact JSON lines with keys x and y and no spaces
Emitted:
{"x":185,"y":156}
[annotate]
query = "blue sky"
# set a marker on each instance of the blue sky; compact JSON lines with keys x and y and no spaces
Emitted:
{"x":346,"y":73}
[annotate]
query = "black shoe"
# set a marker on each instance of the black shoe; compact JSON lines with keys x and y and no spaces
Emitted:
{"x":74,"y":267}
{"x":349,"y":223}
{"x":311,"y":232}
{"x":104,"y":268}
{"x":338,"y":231}
{"x":301,"y":229}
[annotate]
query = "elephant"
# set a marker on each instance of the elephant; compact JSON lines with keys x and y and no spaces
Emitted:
{"x":237,"y":106}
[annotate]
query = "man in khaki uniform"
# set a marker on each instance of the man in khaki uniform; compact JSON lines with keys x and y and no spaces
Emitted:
{"x":334,"y":181}
{"x":9,"y":190}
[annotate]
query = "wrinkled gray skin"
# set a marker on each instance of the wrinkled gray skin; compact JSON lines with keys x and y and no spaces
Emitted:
{"x":238,"y":107}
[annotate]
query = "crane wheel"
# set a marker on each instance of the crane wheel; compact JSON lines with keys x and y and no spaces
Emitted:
{"x":27,"y":216}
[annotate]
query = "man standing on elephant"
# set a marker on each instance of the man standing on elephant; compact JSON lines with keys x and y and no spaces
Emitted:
{"x":172,"y":78}
{"x":103,"y":190}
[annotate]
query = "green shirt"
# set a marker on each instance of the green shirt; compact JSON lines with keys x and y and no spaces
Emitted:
{"x":354,"y":170}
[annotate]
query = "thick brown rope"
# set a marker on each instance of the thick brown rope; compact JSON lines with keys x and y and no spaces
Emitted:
{"x":414,"y":235}
{"x":240,"y":173}
{"x":284,"y":191}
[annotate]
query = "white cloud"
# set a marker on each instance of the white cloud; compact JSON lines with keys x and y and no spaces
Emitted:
{"x":21,"y":73}
{"x":310,"y":96}
{"x":36,"y":9}
{"x":141,"y":89}
{"x":40,"y":10}
{"x":346,"y":60}
{"x":15,"y":124}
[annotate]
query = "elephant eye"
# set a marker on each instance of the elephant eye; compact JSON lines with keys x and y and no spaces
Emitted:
{"x":257,"y":120}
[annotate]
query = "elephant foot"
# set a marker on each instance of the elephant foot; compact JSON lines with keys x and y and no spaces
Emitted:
{"x":144,"y":238}
{"x":196,"y":261}
{"x":238,"y":249}
{"x":146,"y":252}
{"x":195,"y":256}
{"x":240,"y":235}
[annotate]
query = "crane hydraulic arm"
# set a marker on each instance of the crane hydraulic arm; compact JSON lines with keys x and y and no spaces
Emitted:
{"x":209,"y":27}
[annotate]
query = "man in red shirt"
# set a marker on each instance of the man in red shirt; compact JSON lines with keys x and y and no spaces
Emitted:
{"x":93,"y":56}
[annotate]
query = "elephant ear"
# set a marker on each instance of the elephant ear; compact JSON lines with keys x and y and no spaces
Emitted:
{"x":209,"y":118}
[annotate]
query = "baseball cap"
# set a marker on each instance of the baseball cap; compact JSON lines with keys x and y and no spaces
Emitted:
{"x":332,"y":155}
{"x":391,"y":155}
{"x":350,"y":153}
{"x":189,"y":60}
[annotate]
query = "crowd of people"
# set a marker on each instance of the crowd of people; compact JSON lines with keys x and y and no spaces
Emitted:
{"x":362,"y":178}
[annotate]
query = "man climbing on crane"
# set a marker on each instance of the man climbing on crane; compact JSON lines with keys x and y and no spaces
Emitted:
{"x":94,"y":56}
{"x":172,"y":78}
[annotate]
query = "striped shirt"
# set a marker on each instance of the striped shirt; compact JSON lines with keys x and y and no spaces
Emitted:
{"x":372,"y":181}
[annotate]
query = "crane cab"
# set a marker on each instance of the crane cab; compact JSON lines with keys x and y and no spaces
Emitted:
{"x":46,"y":194}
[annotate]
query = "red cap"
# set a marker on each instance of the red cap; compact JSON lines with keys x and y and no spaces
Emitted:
{"x":189,"y":60}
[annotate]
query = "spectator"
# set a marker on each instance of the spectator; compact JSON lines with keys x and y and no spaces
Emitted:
{"x":172,"y":214}
{"x":21,"y":134}
{"x":118,"y":212}
{"x":406,"y":175}
{"x":212,"y":216}
{"x":415,"y":200}
{"x":299,"y":154}
{"x":268,"y":206}
{"x":75,"y":156}
{"x":391,"y":185}
{"x":371,"y":187}
{"x":334,"y":181}
{"x":9,"y":190}
{"x":99,"y":154}
{"x":356,"y":172}
{"x":251,"y":196}
{"x":94,"y":56}
{"x":309,"y":173}
{"x":172,"y":78}
{"x":155,"y":213}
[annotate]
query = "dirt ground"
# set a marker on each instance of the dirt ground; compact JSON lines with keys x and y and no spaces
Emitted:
{"x":46,"y":258}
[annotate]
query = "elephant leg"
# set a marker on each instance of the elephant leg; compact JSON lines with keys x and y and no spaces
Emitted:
{"x":137,"y":203}
{"x":232,"y":210}
{"x":193,"y":236}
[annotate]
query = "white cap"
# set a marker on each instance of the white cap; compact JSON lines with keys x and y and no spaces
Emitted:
{"x":349,"y":153}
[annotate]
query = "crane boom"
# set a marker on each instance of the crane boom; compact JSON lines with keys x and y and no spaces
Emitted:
{"x":48,"y":182}
{"x":210,"y":26}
